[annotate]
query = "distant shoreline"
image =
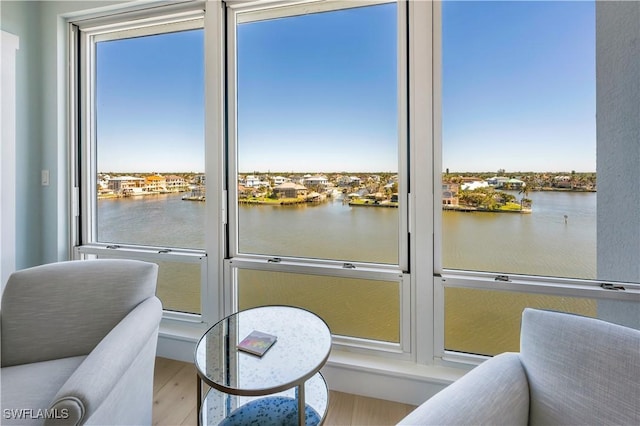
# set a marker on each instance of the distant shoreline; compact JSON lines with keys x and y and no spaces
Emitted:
{"x":471,"y":209}
{"x":548,"y":189}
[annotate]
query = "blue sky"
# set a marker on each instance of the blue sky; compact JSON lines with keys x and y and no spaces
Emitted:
{"x":519,"y":86}
{"x":150,"y":103}
{"x":318,"y":92}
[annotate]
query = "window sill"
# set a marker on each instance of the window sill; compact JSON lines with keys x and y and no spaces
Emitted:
{"x":384,"y":378}
{"x":392,"y":367}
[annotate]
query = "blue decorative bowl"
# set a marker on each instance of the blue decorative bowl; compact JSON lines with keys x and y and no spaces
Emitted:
{"x":271,"y":411}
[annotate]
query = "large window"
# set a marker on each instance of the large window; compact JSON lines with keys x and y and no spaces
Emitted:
{"x":416,"y":173}
{"x":143,"y":150}
{"x":519,"y":137}
{"x":519,"y":183}
{"x":318,"y":137}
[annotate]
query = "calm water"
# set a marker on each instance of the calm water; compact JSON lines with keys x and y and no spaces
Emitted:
{"x":537,"y":243}
{"x":158,"y":220}
{"x":330,"y":230}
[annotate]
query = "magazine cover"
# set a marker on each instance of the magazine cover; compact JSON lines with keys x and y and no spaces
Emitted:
{"x":257,"y":343}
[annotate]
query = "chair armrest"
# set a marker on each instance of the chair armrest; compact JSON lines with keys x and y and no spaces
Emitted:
{"x":99,"y":373}
{"x":495,"y":392}
{"x":65,"y":309}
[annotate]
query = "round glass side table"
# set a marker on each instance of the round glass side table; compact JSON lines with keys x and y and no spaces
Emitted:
{"x":283,"y":386}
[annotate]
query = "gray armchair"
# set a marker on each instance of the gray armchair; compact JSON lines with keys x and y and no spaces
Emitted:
{"x":78,"y":343}
{"x":570,"y":370}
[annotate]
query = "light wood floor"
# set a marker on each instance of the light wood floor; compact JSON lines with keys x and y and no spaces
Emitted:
{"x":174,"y":401}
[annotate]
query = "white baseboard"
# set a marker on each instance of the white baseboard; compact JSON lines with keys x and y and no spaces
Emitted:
{"x":381,"y":386}
{"x":365,"y":375}
{"x":178,"y":349}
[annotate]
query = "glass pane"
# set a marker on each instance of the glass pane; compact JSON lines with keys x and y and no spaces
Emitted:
{"x":353,"y":307}
{"x":317,"y":135}
{"x":487,"y":322}
{"x":178,"y":285}
{"x":150,"y":140}
{"x":519,"y":137}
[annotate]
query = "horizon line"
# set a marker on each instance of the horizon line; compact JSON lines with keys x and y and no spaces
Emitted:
{"x":349,"y":172}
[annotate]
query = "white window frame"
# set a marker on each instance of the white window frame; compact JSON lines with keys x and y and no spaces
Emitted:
{"x":561,"y":287}
{"x":400,"y":349}
{"x":424,"y":156}
{"x":240,"y":12}
{"x":422,"y":277}
{"x":84,"y":33}
{"x":444,"y":278}
{"x":85,"y":252}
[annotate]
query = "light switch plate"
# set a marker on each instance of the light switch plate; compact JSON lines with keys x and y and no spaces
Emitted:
{"x":45,"y":178}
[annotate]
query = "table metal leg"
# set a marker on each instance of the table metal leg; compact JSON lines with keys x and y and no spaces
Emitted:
{"x":301,"y":405}
{"x":198,"y":398}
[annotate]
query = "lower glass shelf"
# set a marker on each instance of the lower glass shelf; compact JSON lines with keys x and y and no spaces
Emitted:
{"x":219,"y":408}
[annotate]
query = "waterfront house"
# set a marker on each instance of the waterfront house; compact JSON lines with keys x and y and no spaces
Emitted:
{"x":497,"y":181}
{"x":354,"y":180}
{"x":316,"y":182}
{"x":295,"y":179}
{"x":277,"y":180}
{"x":155,"y":183}
{"x":126,"y":184}
{"x":175,"y":183}
{"x":290,"y":190}
{"x":502,"y":182}
{"x":515,"y":184}
{"x":243,"y":191}
{"x":562,"y":182}
{"x":103,"y":184}
{"x":343,"y":181}
{"x":252,"y":181}
{"x":199,"y":180}
{"x":450,"y":194}
{"x":470,"y":185}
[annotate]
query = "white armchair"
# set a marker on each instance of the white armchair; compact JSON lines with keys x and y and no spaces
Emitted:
{"x":570,"y":370}
{"x":78,"y":343}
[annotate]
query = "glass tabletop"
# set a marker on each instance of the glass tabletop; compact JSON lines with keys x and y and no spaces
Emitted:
{"x":302,"y":346}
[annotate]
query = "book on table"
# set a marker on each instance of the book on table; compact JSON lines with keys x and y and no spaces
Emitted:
{"x":257,"y":343}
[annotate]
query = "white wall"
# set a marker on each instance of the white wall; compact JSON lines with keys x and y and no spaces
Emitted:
{"x":41,"y":142}
{"x":618,"y":132}
{"x":618,"y":152}
{"x":21,"y":19}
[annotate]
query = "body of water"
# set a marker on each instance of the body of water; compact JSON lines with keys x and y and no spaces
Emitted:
{"x":329,"y":230}
{"x":163,"y":220}
{"x":541,"y":243}
{"x":558,"y":238}
{"x":478,"y":321}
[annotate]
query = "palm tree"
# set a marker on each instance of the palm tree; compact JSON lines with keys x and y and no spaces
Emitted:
{"x":524,"y":190}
